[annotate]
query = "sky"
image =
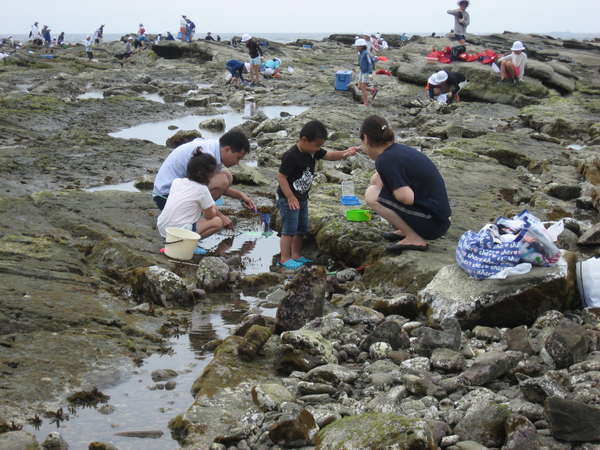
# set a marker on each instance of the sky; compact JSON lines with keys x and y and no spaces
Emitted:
{"x":306,"y":16}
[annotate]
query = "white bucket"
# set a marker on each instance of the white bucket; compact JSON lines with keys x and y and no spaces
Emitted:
{"x":180,"y":243}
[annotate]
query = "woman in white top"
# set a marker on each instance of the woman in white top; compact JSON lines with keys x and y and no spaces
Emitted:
{"x":190,"y":204}
{"x":512,"y":66}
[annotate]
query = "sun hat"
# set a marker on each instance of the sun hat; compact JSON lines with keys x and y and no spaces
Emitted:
{"x":438,"y":78}
{"x":517,"y":46}
{"x":246,"y":37}
{"x":360,"y":43}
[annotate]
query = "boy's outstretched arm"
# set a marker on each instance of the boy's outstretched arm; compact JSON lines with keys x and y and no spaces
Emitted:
{"x":336,"y":155}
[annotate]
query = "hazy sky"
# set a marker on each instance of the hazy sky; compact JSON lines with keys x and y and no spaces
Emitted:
{"x":352,"y":16}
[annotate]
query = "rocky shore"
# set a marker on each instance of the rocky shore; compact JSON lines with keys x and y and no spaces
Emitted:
{"x":375,"y":351}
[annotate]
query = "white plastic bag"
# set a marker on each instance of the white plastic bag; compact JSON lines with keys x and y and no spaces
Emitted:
{"x":588,"y":282}
{"x":556,"y":230}
{"x":519,"y":269}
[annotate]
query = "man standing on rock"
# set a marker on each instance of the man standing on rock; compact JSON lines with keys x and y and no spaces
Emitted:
{"x":228,"y":151}
{"x":461,"y":20}
{"x":35,"y":32}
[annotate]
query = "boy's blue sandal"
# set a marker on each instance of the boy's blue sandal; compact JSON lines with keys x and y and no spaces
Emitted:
{"x":304,"y":260}
{"x":290,"y":264}
{"x":200,"y":251}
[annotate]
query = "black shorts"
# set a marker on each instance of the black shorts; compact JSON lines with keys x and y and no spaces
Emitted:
{"x":422,"y":222}
{"x":160,"y":201}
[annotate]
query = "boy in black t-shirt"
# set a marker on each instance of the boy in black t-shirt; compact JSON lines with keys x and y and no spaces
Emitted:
{"x":295,"y":178}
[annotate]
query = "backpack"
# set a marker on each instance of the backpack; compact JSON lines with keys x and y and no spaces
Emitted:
{"x":457,"y":51}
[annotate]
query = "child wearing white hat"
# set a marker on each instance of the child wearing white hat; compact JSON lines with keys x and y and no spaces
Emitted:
{"x":461,"y":20}
{"x":444,"y":86}
{"x":512,"y":66}
{"x":365,"y":61}
{"x":255,"y":53}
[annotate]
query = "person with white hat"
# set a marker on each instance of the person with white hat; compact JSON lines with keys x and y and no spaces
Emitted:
{"x":512,"y":66}
{"x":461,"y":20}
{"x":255,"y":53}
{"x":445,"y":86}
{"x":365,"y":61}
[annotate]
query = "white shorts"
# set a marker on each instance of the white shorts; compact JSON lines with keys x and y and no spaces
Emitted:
{"x":364,"y":78}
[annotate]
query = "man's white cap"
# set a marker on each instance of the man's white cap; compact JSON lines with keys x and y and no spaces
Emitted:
{"x":246,"y":37}
{"x":438,"y":78}
{"x":360,"y":43}
{"x":378,"y":35}
{"x":517,"y":46}
{"x":247,"y":66}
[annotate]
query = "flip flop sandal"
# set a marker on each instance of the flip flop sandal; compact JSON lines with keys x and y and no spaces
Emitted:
{"x":399,"y":248}
{"x":392,"y":237}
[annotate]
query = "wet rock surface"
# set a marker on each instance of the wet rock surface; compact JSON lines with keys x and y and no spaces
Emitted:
{"x":404,"y":342}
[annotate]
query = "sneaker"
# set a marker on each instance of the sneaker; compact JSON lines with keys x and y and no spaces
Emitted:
{"x":304,"y":260}
{"x":290,"y":264}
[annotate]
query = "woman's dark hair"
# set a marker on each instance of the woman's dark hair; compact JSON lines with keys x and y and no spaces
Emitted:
{"x":235,"y":139}
{"x":201,"y":167}
{"x":377,"y":130}
{"x":314,"y":130}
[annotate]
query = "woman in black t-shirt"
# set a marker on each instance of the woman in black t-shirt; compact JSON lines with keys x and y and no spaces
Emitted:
{"x":407,"y":190}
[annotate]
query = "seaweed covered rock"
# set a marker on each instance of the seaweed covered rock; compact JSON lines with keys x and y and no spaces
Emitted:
{"x":182,"y":137}
{"x":304,"y":299}
{"x":253,"y":342}
{"x":294,"y":430}
{"x":304,"y":350}
{"x":212,"y":273}
{"x":176,"y":49}
{"x":376,"y":430}
{"x":162,"y":287}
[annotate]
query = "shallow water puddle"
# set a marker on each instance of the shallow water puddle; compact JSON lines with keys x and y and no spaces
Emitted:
{"x":23,"y":87}
{"x":126,"y":187}
{"x":139,"y":408}
{"x":90,"y":94}
{"x":154,"y":97}
{"x":158,"y":132}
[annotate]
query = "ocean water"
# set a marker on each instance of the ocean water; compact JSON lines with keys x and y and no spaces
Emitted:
{"x":276,"y":37}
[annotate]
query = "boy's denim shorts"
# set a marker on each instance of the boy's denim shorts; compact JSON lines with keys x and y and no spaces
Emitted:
{"x":256,"y":61}
{"x":293,"y":222}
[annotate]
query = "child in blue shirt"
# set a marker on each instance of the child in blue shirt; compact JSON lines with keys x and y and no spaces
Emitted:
{"x":366,"y":69}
